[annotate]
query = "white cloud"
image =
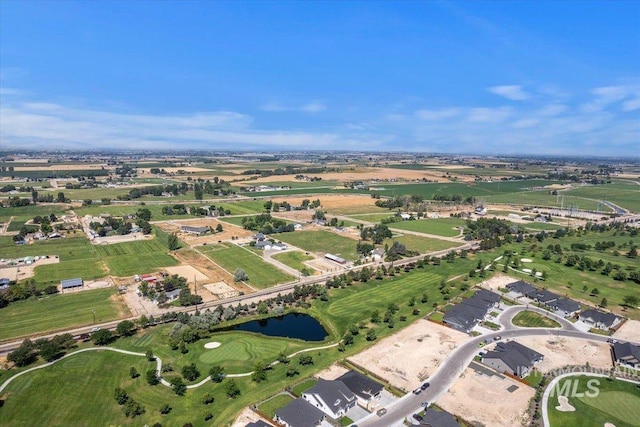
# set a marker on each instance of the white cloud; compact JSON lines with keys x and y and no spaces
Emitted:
{"x":606,"y":96}
{"x":631,"y":104}
{"x":512,"y":92}
{"x":433,"y":115}
{"x":552,"y":110}
{"x":275,"y":107}
{"x":489,"y":115}
{"x":313,"y":107}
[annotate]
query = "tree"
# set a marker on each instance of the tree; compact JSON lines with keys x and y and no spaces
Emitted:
{"x":305,"y":360}
{"x":133,"y":372}
{"x":292,"y":371}
{"x":259,"y":372}
{"x":23,"y":355}
{"x":102,"y":337}
{"x":240,"y":276}
{"x":125,"y":328}
{"x":207,"y":415}
{"x":604,"y":303}
{"x":190,"y":372}
{"x":585,"y":288}
{"x":595,"y":292}
{"x":120,"y":395}
{"x":219,"y":228}
{"x":630,"y":301}
{"x":152,"y":377}
{"x":207,"y":398}
{"x":371,"y":335}
{"x":178,"y":386}
{"x":216,"y":373}
{"x":173,"y":242}
{"x":149,"y":355}
{"x":165,"y":409}
{"x":133,"y":409}
{"x":231,"y":389}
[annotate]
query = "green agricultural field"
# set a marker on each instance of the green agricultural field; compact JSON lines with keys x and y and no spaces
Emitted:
{"x":321,"y":242}
{"x":69,"y":248}
{"x":530,"y":319}
{"x":539,"y":226}
{"x":617,"y":402}
{"x":235,"y":220}
{"x":59,"y":312}
{"x":360,"y":210}
{"x":121,"y":209}
{"x":626,"y":195}
{"x":127,"y":259}
{"x":18,"y":216}
{"x":373,"y":218}
{"x":87,"y":269}
{"x":440,"y":226}
{"x":261,"y":274}
{"x":479,"y":189}
{"x":422,"y":244}
{"x":294,"y":259}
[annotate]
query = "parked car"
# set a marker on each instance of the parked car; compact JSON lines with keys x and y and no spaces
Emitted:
{"x":417,"y":391}
{"x":424,"y":404}
{"x":425,"y":386}
{"x":497,"y":338}
{"x":417,"y":417}
{"x":381,"y":411}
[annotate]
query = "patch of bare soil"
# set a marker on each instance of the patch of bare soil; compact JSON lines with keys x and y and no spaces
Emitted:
{"x":24,"y":271}
{"x":229,"y":231}
{"x":405,"y":359}
{"x":629,"y":331}
{"x":563,"y":351}
{"x":473,"y":393}
{"x":332,"y":372}
{"x":246,"y":416}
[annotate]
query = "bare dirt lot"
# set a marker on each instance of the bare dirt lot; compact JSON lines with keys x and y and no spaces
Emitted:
{"x":246,"y":416}
{"x":629,"y":331}
{"x":190,"y":273}
{"x":229,"y":231}
{"x":23,"y":271}
{"x":497,"y":281}
{"x":563,"y":351}
{"x":405,"y":359}
{"x":332,"y":372}
{"x":473,"y":393}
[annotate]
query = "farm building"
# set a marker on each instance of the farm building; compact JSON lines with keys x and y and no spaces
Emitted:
{"x":335,"y":258}
{"x":194,"y":230}
{"x":72,"y":283}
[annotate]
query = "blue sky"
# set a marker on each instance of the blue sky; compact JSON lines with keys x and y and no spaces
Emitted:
{"x":475,"y":77}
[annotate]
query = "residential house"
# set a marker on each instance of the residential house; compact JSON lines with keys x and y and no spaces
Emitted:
{"x":405,"y":216}
{"x":564,"y":307}
{"x":435,"y":418}
{"x":299,"y":413}
{"x":545,"y":297}
{"x":513,"y":358}
{"x":259,"y":237}
{"x":600,"y":319}
{"x":173,"y":295}
{"x":366,"y":389}
{"x":627,"y":354}
{"x":258,"y":423}
{"x":466,"y":315}
{"x":377,"y":254}
{"x":332,"y":397}
{"x":522,"y":289}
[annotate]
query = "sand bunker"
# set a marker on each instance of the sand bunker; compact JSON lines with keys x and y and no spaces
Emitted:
{"x":609,"y":425}
{"x":525,"y":260}
{"x":564,"y":405}
{"x":213,"y":344}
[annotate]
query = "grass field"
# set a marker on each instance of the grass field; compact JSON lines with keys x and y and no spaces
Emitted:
{"x":121,"y":209}
{"x":294,"y":259}
{"x":440,"y":227}
{"x":321,"y":242}
{"x":127,"y":259}
{"x":624,"y":194}
{"x":231,"y":257}
{"x":422,"y":244}
{"x":373,"y":217}
{"x":303,"y":386}
{"x":617,"y":402}
{"x":59,"y":312}
{"x":529,"y":319}
{"x":272,"y":405}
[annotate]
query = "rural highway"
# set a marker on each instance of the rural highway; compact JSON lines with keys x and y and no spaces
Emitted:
{"x":460,"y":358}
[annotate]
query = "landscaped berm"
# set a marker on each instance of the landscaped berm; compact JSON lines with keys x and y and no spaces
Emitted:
{"x":598,"y":401}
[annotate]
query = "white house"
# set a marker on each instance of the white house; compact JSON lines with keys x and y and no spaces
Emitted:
{"x":331,"y":397}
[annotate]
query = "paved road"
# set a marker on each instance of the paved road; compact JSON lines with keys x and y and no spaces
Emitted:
{"x":459,"y":359}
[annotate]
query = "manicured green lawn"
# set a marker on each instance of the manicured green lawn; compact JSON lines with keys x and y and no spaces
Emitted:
{"x":58,"y":312}
{"x":303,"y":386}
{"x":272,"y":405}
{"x":261,"y":274}
{"x":321,"y":242}
{"x":617,"y":402}
{"x":440,"y":226}
{"x":529,"y":319}
{"x":294,"y":259}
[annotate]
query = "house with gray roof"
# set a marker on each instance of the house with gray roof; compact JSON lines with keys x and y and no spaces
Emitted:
{"x":603,"y":320}
{"x":299,"y":413}
{"x":258,"y":423}
{"x":332,"y":397}
{"x":466,"y":315}
{"x":522,"y":289}
{"x":435,"y":418}
{"x":192,"y":229}
{"x":72,"y":283}
{"x":365,"y":388}
{"x":627,"y":354}
{"x":513,"y":358}
{"x":545,"y":297}
{"x":564,"y":307}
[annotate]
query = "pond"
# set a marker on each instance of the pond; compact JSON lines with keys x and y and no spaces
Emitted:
{"x":292,"y":325}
